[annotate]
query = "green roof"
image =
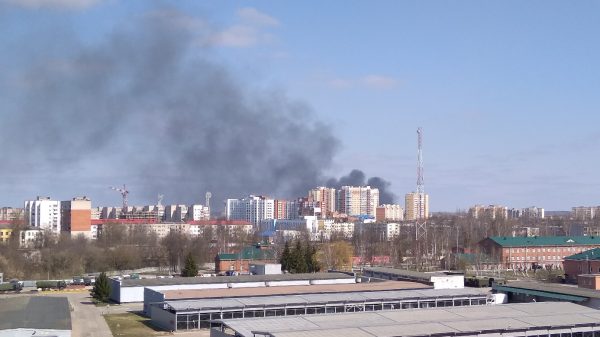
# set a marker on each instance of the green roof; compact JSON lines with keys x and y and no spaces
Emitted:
{"x":541,"y":291}
{"x":249,"y":253}
{"x":520,"y":241}
{"x":592,"y":254}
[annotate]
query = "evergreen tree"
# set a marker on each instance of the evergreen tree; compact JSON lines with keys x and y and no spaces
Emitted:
{"x":101,"y":290}
{"x":285,"y":257}
{"x":190,"y":269}
{"x":299,"y":257}
{"x":311,"y":259}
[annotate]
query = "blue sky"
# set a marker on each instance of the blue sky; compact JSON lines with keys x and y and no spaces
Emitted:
{"x":507,"y":92}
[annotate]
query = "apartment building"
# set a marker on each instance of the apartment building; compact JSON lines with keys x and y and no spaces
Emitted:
{"x":198,"y":212}
{"x":416,"y":206}
{"x":252,"y":209}
{"x":389,"y":212}
{"x":585,"y":212}
{"x":358,"y":200}
{"x":76,"y":216}
{"x":43,"y":213}
{"x":326,"y":199}
{"x":490,"y":212}
{"x":10,"y":213}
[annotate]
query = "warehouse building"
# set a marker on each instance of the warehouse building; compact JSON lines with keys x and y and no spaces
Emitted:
{"x":26,"y":316}
{"x":129,"y":290}
{"x":197,"y":314}
{"x":438,"y":280}
{"x":530,"y":319}
{"x":152,"y":296}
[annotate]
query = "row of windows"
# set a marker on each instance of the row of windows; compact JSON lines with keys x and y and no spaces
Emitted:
{"x":536,"y":258}
{"x":544,"y":250}
{"x":202,"y":320}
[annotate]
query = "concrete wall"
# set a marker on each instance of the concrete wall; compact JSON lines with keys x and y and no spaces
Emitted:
{"x":151,"y":296}
{"x":164,"y":319}
{"x":335,"y":281}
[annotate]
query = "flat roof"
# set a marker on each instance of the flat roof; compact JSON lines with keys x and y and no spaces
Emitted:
{"x":413,"y":274}
{"x":315,"y":288}
{"x":35,"y":312}
{"x":549,"y":288}
{"x":149,"y":282}
{"x":422,"y":322}
{"x":321,"y":298}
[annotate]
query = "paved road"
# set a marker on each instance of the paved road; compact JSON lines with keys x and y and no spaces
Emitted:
{"x":86,"y":318}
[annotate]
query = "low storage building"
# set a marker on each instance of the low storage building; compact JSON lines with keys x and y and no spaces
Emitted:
{"x":129,"y":290}
{"x":527,"y":291}
{"x":530,"y":319}
{"x":196,"y":314}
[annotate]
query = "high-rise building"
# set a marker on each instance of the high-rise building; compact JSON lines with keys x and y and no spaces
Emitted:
{"x":10,"y":213}
{"x":358,"y":200}
{"x":491,"y":212}
{"x":285,"y":209}
{"x":76,"y":216}
{"x":326,"y":200}
{"x":252,"y":209}
{"x":389,"y":212}
{"x":413,"y":202}
{"x":585,"y":213}
{"x":43,"y":213}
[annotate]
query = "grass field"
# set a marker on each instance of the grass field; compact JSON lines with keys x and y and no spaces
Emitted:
{"x":130,"y":325}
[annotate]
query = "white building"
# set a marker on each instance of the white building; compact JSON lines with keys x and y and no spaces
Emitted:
{"x":358,"y":200}
{"x":29,"y":238}
{"x":198,"y":212}
{"x":43,"y":213}
{"x":389,"y":212}
{"x":253,"y":209}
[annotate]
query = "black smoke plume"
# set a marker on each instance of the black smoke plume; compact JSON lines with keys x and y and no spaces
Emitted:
{"x":150,"y":106}
{"x":358,"y":178}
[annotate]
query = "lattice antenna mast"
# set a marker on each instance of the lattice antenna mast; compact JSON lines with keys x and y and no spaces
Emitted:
{"x":420,"y":223}
{"x":420,"y":181}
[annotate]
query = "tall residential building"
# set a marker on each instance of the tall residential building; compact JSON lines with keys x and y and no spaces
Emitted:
{"x":585,"y":213}
{"x":76,"y":216}
{"x":358,"y":200}
{"x":491,"y":212}
{"x":389,"y":212}
{"x":252,"y":209}
{"x":285,"y":209}
{"x":326,"y":198}
{"x":43,"y":213}
{"x":413,"y":202}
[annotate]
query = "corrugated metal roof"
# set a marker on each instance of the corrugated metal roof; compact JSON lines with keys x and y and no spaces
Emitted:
{"x":307,"y":299}
{"x":520,"y":241}
{"x":423,"y":322}
{"x":232,"y":279}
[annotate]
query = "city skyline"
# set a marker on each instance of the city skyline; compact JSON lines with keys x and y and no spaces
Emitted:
{"x":506,"y":98}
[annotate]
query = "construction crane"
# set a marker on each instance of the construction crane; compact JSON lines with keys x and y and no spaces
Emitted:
{"x":124,"y":192}
{"x":160,"y":199}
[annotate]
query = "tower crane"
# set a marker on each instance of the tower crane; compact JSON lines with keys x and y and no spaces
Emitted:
{"x":208,"y":196}
{"x":124,"y":192}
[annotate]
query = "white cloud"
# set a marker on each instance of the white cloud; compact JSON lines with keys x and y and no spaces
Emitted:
{"x":255,"y":17}
{"x":56,"y":4}
{"x":240,"y":36}
{"x":378,"y":81}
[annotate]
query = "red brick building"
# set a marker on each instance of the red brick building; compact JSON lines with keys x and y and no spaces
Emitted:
{"x":240,"y":262}
{"x":587,"y":262}
{"x":544,"y":251}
